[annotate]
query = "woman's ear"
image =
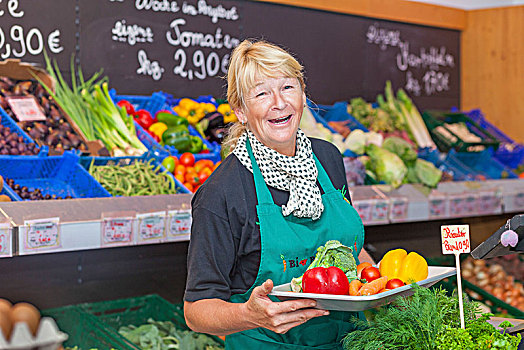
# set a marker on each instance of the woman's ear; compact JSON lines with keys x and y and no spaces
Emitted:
{"x":240,"y":115}
{"x":304,"y":99}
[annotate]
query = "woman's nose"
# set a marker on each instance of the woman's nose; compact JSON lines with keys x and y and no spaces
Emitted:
{"x":278,"y":100}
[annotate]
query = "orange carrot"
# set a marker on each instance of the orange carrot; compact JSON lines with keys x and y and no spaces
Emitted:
{"x":361,"y":267}
{"x":383,"y":290}
{"x":354,"y":287}
{"x":374,"y":286}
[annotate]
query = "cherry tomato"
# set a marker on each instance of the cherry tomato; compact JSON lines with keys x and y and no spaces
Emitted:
{"x":187,"y":159}
{"x":180,"y":170}
{"x":330,"y":280}
{"x":370,"y":273}
{"x":203,"y":163}
{"x":180,"y":178}
{"x":188,"y":186}
{"x":394,"y":283}
{"x":204,"y":174}
{"x":130,"y":110}
{"x":361,"y":267}
{"x":192,"y":178}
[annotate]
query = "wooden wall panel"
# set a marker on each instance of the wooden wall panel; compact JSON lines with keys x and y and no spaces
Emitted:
{"x":394,"y":10}
{"x":493,"y":67}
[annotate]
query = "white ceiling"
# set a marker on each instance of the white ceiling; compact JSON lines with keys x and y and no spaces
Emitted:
{"x":473,"y":4}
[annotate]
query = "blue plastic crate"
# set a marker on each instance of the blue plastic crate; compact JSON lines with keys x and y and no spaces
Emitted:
{"x":484,"y":163}
{"x":55,"y":175}
{"x":125,"y":161}
{"x":509,"y":152}
{"x":7,"y":121}
{"x":8,"y":191}
{"x":172,"y":101}
{"x":455,"y":167}
{"x":339,"y":112}
{"x":152,"y":104}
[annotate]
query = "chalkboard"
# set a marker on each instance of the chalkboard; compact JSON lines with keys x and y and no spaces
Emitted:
{"x":30,"y":27}
{"x":182,"y":47}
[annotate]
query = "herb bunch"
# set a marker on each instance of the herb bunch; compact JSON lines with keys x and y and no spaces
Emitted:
{"x":429,"y":320}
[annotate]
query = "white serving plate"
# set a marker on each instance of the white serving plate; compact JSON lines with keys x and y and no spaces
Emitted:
{"x":360,"y":303}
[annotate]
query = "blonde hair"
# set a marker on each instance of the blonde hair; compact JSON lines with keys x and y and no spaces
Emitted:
{"x":249,"y":60}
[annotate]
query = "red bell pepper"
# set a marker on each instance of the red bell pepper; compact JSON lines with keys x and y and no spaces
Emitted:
{"x":130,"y":110}
{"x":144,"y":118}
{"x":322,"y":280}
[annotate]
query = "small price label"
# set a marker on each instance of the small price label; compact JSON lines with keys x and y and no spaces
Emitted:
{"x":437,"y":206}
{"x":455,"y":239}
{"x":518,"y":200}
{"x":456,"y":205}
{"x":5,"y":241}
{"x":117,"y":231}
{"x":151,"y":226}
{"x":399,"y":209}
{"x":379,"y":210}
{"x":489,"y":202}
{"x":363,"y":209}
{"x":42,"y":234}
{"x":179,"y":222}
{"x":471,"y":204}
{"x":26,"y":108}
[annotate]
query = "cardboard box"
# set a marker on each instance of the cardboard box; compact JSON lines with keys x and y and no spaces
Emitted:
{"x":15,"y":69}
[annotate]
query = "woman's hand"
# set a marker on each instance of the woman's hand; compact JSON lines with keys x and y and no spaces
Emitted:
{"x":279,"y":317}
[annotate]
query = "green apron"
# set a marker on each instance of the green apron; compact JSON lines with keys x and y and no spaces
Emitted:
{"x":288,"y":246}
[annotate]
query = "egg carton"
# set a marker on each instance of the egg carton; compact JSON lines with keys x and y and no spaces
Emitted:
{"x":48,"y":337}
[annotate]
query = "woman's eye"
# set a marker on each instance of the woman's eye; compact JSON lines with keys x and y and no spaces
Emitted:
{"x":288,"y":87}
{"x":260,"y":94}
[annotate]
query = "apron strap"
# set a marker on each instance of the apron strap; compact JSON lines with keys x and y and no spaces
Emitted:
{"x":323,"y":178}
{"x":263,"y":194}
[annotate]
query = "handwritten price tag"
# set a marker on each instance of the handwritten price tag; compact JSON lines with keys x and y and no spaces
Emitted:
{"x":5,"y":241}
{"x":117,"y":231}
{"x":26,"y":108}
{"x":42,"y":234}
{"x":455,"y":239}
{"x":179,"y":222}
{"x":151,"y":226}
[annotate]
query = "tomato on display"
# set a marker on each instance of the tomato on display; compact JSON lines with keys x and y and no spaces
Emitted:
{"x":187,"y":159}
{"x":370,"y":273}
{"x":394,"y":283}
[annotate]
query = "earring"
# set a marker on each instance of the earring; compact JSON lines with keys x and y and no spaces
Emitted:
{"x":243,"y":123}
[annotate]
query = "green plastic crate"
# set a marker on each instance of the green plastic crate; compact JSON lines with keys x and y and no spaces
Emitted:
{"x":136,"y":311}
{"x":84,"y":330}
{"x":434,"y":119}
{"x":476,"y":293}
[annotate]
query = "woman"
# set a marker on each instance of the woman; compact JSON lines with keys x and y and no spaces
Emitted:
{"x":262,"y":214}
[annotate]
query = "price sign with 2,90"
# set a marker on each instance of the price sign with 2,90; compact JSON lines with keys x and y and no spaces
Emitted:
{"x":199,"y":65}
{"x":179,"y":223}
{"x":42,"y":234}
{"x":117,"y":231}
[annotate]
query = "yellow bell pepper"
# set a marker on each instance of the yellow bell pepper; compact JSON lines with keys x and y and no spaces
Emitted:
{"x":227,"y":112}
{"x":409,"y":268}
{"x":158,"y":129}
{"x":186,"y":108}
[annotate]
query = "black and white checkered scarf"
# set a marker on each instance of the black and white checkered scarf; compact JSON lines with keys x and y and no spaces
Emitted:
{"x":296,"y":174}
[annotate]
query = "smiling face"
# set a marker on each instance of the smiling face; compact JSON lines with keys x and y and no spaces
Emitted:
{"x":272,"y":111}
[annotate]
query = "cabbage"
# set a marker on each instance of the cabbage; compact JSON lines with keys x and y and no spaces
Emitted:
{"x":356,"y":141}
{"x":401,"y":148}
{"x":427,"y":173}
{"x":386,"y":165}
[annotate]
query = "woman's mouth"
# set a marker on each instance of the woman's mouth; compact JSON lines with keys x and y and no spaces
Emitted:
{"x":280,"y":121}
